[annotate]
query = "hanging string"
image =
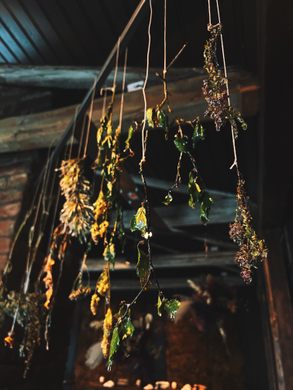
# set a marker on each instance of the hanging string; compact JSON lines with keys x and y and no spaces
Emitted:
{"x":90,"y":118}
{"x":32,"y":232}
{"x":210,"y":12}
{"x":104,"y":92}
{"x":115,"y":71}
{"x":176,"y":56}
{"x":235,"y":162}
{"x":123,"y":90}
{"x":144,"y":132}
{"x":72,"y":136}
{"x":165,"y":40}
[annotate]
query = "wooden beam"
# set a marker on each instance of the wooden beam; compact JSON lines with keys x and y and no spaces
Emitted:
{"x":183,"y":260}
{"x":41,"y":130}
{"x":164,"y":185}
{"x":69,"y":77}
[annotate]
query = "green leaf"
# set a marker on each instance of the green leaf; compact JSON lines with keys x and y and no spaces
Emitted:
{"x":171,"y":307}
{"x":194,"y":190}
{"x":114,"y":345}
{"x":198,"y":133}
{"x":181,"y":143}
{"x":160,"y":304}
{"x":242,"y":122}
{"x":143,"y":268}
{"x":162,"y":119}
{"x":139,"y":221}
{"x":149,"y":117}
{"x":168,"y":199}
{"x":205,"y":207}
{"x":127,"y":328}
{"x":129,"y":138}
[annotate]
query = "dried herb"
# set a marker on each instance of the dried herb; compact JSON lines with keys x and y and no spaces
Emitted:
{"x":199,"y":197}
{"x":77,"y":212}
{"x":215,"y":86}
{"x":107,"y":331}
{"x":143,"y":267}
{"x":251,"y":248}
{"x":27,"y":311}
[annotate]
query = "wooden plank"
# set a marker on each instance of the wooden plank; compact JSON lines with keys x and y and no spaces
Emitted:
{"x":41,"y":130}
{"x":160,"y":184}
{"x":168,"y":283}
{"x":72,"y":77}
{"x":182,"y":260}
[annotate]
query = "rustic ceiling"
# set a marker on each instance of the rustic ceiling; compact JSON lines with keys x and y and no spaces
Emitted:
{"x":82,"y":32}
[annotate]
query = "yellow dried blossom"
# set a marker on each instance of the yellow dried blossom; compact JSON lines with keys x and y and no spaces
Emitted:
{"x":95,"y":299}
{"x":102,"y":287}
{"x":99,"y":230}
{"x":9,"y":340}
{"x":48,"y":280}
{"x":100,"y":206}
{"x":79,"y":292}
{"x":107,"y":329}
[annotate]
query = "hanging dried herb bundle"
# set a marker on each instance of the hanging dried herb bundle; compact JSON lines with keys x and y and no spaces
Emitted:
{"x":251,"y":249}
{"x":197,"y":193}
{"x":58,"y":245}
{"x":101,"y":289}
{"x":215,"y":86}
{"x":77,"y":212}
{"x":26,"y":310}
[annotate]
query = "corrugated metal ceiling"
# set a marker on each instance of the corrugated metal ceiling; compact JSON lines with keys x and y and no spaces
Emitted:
{"x":82,"y":32}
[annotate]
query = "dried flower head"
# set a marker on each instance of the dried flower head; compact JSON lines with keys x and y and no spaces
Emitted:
{"x":215,"y":86}
{"x":101,"y":289}
{"x":77,"y":212}
{"x":79,"y":292}
{"x":251,"y":248}
{"x":9,"y":340}
{"x":107,"y":330}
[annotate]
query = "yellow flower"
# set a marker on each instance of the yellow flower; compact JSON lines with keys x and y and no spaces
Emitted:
{"x":100,"y":206}
{"x":99,"y":230}
{"x":107,"y":328}
{"x":95,"y":299}
{"x":9,"y":340}
{"x":48,"y":280}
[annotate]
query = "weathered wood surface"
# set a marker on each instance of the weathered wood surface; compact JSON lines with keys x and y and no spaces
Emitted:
{"x":43,"y":129}
{"x":182,"y":260}
{"x":79,"y":78}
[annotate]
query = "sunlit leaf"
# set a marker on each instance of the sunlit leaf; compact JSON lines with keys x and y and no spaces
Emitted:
{"x":159,"y":305}
{"x":139,"y":221}
{"x":168,"y":199}
{"x":149,"y":118}
{"x":114,"y":345}
{"x":127,"y":328}
{"x":205,"y":206}
{"x":129,"y":138}
{"x":162,"y":119}
{"x":171,"y":307}
{"x":198,"y":133}
{"x":194,"y":190}
{"x":181,"y":143}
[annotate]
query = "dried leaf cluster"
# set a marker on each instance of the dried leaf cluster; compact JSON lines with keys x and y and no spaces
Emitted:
{"x":251,"y":248}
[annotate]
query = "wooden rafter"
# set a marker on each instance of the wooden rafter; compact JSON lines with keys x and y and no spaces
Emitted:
{"x":43,"y":129}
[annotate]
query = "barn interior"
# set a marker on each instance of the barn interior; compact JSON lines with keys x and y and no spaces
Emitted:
{"x":59,"y":61}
